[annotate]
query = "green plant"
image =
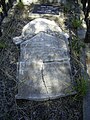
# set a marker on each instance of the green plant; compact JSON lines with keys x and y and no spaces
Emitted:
{"x":81,"y":86}
{"x":20,"y":5}
{"x":81,"y":83}
{"x":76,"y":23}
{"x":77,"y":46}
{"x":2,"y":45}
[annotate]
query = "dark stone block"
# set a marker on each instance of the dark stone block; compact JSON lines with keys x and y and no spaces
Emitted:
{"x":87,"y":38}
{"x":46,"y":9}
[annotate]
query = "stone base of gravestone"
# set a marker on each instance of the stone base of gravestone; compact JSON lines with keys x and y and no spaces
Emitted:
{"x":44,"y":70}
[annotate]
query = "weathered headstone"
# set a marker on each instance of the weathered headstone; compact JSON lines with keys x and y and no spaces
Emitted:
{"x":44,"y":70}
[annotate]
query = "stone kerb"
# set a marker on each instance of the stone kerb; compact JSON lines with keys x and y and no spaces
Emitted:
{"x":28,"y":2}
{"x":44,"y":67}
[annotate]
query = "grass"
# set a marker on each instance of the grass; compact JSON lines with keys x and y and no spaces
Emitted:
{"x":20,"y":5}
{"x":81,"y":83}
{"x":81,"y":86}
{"x":2,"y":45}
{"x":76,"y":23}
{"x":77,"y":46}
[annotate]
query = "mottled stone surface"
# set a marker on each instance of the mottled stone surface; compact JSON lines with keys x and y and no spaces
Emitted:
{"x":57,"y":78}
{"x":31,"y":85}
{"x":44,"y":47}
{"x":39,"y":81}
{"x":44,"y":68}
{"x":36,"y":26}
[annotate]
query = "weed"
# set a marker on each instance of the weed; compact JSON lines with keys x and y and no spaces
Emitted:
{"x":20,"y":5}
{"x":81,"y":83}
{"x":76,"y":23}
{"x":81,"y":87}
{"x":2,"y":45}
{"x":77,"y":46}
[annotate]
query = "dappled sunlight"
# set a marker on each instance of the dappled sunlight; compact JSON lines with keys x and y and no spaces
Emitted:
{"x":45,"y":61}
{"x":45,"y":47}
{"x":40,"y":24}
{"x":42,"y":83}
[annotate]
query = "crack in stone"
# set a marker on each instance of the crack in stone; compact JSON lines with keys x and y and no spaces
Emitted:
{"x":63,"y":60}
{"x":44,"y":80}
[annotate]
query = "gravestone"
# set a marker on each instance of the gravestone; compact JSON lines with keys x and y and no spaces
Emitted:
{"x":44,"y":70}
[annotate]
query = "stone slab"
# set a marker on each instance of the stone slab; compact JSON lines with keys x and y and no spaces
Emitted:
{"x":86,"y":104}
{"x":86,"y":99}
{"x":44,"y":70}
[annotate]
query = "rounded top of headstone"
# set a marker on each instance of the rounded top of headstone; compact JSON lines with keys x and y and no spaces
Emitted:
{"x":36,"y":26}
{"x":39,"y":25}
